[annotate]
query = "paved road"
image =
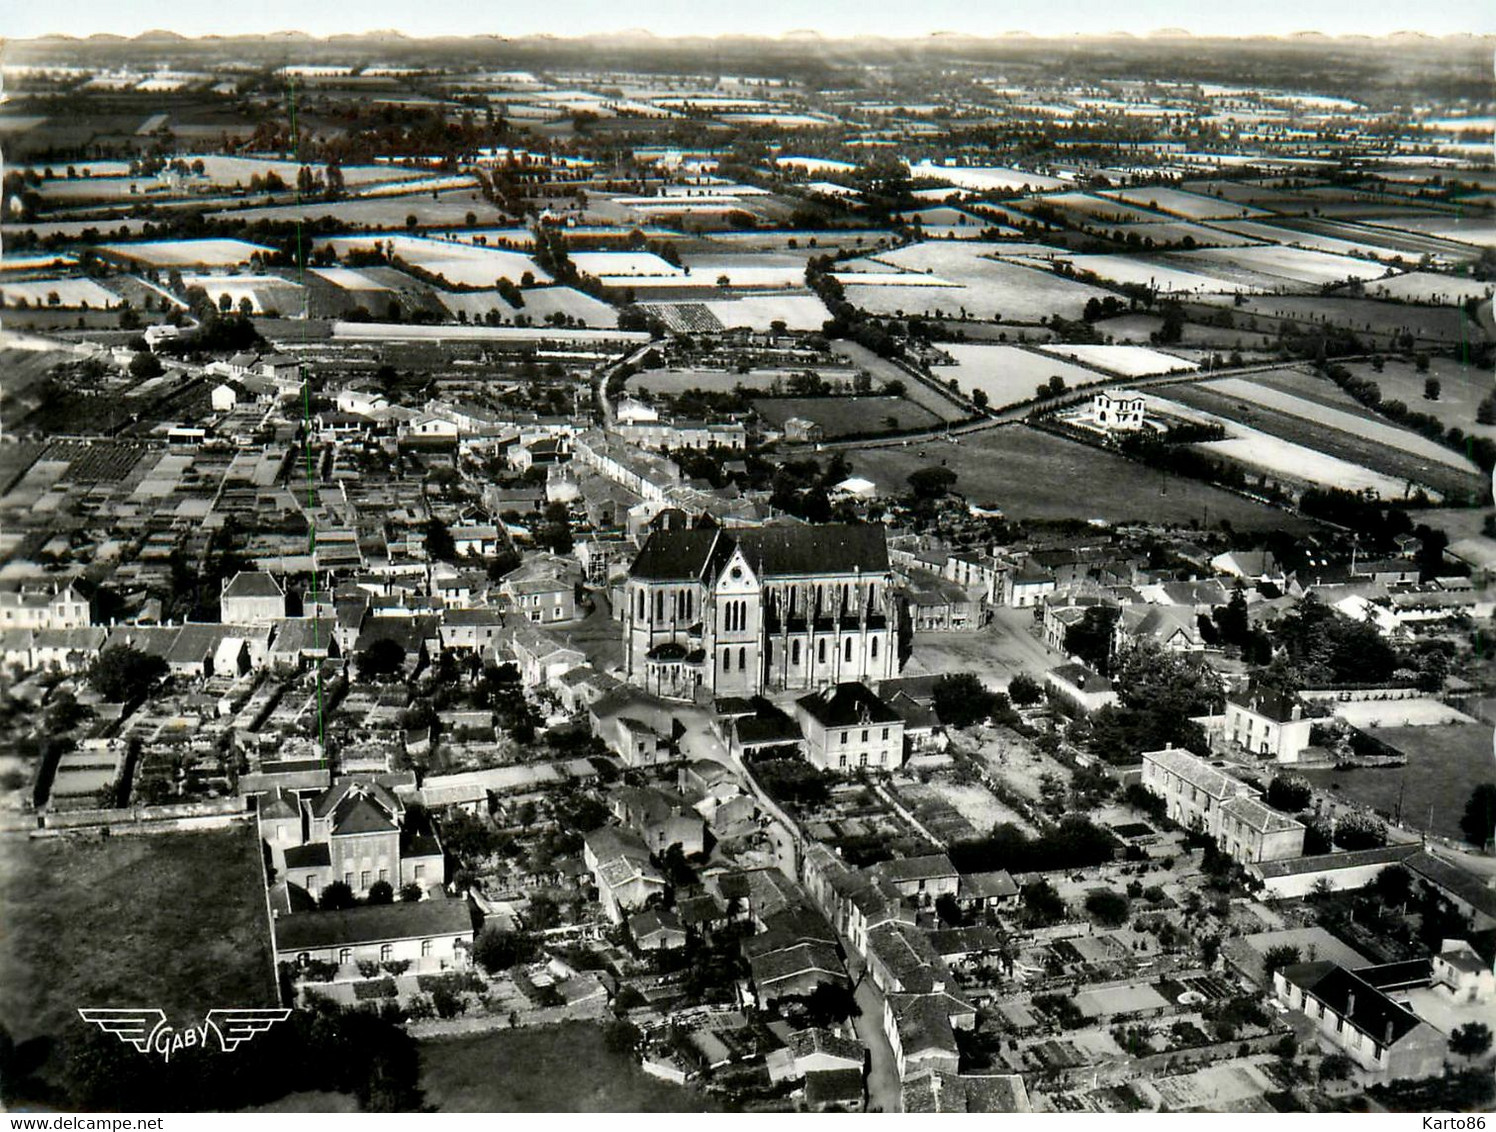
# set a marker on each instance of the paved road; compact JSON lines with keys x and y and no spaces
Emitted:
{"x":883,"y":1071}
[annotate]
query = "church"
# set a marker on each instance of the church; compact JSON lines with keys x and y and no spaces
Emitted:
{"x":711,"y":612}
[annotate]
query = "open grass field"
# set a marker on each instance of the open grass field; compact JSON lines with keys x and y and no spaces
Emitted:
{"x":840,"y":416}
{"x":1450,"y":482}
{"x":980,"y":285}
{"x":174,"y":920}
{"x":1365,"y":245}
{"x":721,"y":380}
{"x":1179,"y":202}
{"x":566,"y":1068}
{"x":983,"y":178}
{"x":1427,"y":287}
{"x":1281,"y":460}
{"x":460,"y":264}
{"x":1292,"y":265}
{"x":1125,"y":361}
{"x":1358,"y":424}
{"x":1167,"y":277}
{"x":1474,"y":228}
{"x":1139,"y":328}
{"x":1036,"y":475}
{"x":186,"y":253}
{"x":1367,"y":317}
{"x":1461,"y":390}
{"x":760,"y":312}
{"x":448,"y":207}
{"x":1444,"y":765}
{"x":1008,"y":374}
{"x":70,"y":294}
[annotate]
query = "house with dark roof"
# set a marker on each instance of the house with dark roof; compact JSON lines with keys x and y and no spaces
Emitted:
{"x":356,"y":832}
{"x":1356,"y":1018}
{"x":1085,"y":689}
{"x":1268,"y":723}
{"x":847,"y":728}
{"x":709,"y":611}
{"x":252,"y":597}
{"x":431,"y":935}
{"x":937,"y":1090}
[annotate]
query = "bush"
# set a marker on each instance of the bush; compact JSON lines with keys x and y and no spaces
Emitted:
{"x":1289,"y":794}
{"x":419,"y":1008}
{"x":397,"y":966}
{"x":368,"y":968}
{"x":1107,"y":907}
{"x":380,"y":892}
{"x":447,"y":1004}
{"x":1358,"y":831}
{"x":375,"y":988}
{"x":1024,"y":690}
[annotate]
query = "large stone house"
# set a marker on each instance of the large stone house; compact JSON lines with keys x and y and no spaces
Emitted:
{"x":712,"y":612}
{"x":847,"y":727}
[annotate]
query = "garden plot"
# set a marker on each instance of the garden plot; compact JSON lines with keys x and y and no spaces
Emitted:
{"x":1125,"y":361}
{"x":1422,"y":712}
{"x":1322,"y":416}
{"x":1279,"y":458}
{"x":973,"y":802}
{"x":1427,"y":287}
{"x":458,"y":264}
{"x":264,"y":293}
{"x":1179,"y":202}
{"x":1155,"y":273}
{"x":1297,"y":265}
{"x":188,"y":253}
{"x":983,"y":178}
{"x":69,"y":294}
{"x":1008,"y":374}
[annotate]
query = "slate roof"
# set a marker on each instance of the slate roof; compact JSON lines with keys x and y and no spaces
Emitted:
{"x":1353,"y":998}
{"x":253,"y":583}
{"x":833,"y":548}
{"x":847,"y":705}
{"x":373,"y":923}
{"x":674,"y":555}
{"x":313,"y":856}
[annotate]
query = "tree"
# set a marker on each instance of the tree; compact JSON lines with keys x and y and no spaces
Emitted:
{"x":932,"y":483}
{"x":1289,"y":793}
{"x":1393,"y":886}
{"x":496,"y":950}
{"x":146,"y":365}
{"x":382,"y":658}
{"x":1276,"y":958}
{"x":1090,"y":638}
{"x":1431,"y":388}
{"x":410,"y":893}
{"x":1107,"y":907}
{"x":1024,"y":690}
{"x":124,"y":673}
{"x":1471,"y":1040}
{"x":979,"y":398}
{"x":380,"y":892}
{"x":1231,"y":619}
{"x":1042,"y":904}
{"x":335,"y":897}
{"x":1336,"y":1067}
{"x":1359,"y":831}
{"x":1479,"y":821}
{"x":961,"y":699}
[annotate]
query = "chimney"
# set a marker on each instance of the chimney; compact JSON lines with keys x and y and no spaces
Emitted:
{"x":1350,"y":1003}
{"x":1387,"y":1041}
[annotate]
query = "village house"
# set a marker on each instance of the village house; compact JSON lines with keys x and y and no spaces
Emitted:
{"x":1268,"y":723}
{"x":1359,"y":1020}
{"x":43,"y":604}
{"x":430,"y":935}
{"x":661,"y":818}
{"x":847,"y":727}
{"x":252,"y":598}
{"x":1083,"y":688}
{"x":621,"y":869}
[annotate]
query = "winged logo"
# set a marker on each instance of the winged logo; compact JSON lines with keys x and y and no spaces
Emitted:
{"x":133,"y":1027}
{"x":147,"y":1030}
{"x":237,"y":1026}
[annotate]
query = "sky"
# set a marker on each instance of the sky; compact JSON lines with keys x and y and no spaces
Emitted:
{"x":833,"y":18}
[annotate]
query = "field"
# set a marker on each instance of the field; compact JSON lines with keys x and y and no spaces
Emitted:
{"x":186,"y":253}
{"x":1096,"y":209}
{"x":1140,"y":327}
{"x":842,"y":415}
{"x":170,"y":920}
{"x":1155,"y":233}
{"x":449,"y":207}
{"x":1125,"y":361}
{"x":460,"y":264}
{"x":983,"y":286}
{"x":1476,"y":230}
{"x":1008,"y":374}
{"x":672,"y":381}
{"x":1358,"y":443}
{"x":622,"y":264}
{"x":1461,"y":389}
{"x":1282,"y":459}
{"x":566,"y":1068}
{"x":1178,"y":202}
{"x":264,"y":292}
{"x":1036,"y":475}
{"x":1291,"y":265}
{"x":1365,"y":427}
{"x":1155,"y":273}
{"x":982,"y":178}
{"x":1426,"y":287}
{"x":760,"y":312}
{"x":1444,"y":765}
{"x":1361,"y":316}
{"x":70,"y":293}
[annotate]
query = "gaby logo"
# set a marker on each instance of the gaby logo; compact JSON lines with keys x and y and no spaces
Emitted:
{"x":148,"y":1032}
